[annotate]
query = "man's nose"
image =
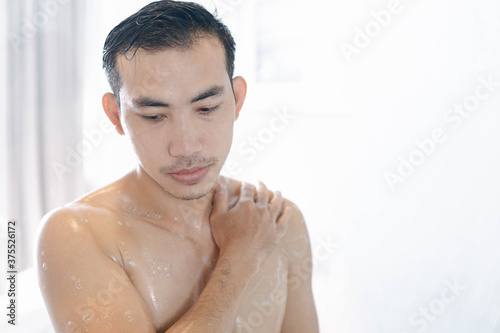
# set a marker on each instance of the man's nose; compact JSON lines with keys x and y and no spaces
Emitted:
{"x":184,"y":139}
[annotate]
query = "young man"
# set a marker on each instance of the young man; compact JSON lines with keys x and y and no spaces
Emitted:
{"x":172,"y":246}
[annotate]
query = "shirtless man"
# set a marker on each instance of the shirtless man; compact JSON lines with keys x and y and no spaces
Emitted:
{"x":172,"y":246}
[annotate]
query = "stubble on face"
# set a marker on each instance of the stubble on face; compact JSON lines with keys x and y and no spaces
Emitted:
{"x":189,"y":163}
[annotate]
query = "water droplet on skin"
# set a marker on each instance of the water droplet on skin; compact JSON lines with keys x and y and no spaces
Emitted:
{"x":133,"y":210}
{"x":120,"y":223}
{"x":156,"y":266}
{"x":42,"y":253}
{"x":44,"y":266}
{"x":78,"y":284}
{"x":207,"y":261}
{"x":153,"y":215}
{"x":87,"y":318}
{"x":158,"y":306}
{"x":128,"y":316}
{"x":128,"y":258}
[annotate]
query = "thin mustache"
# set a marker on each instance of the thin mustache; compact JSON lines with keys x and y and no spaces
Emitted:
{"x":188,"y":162}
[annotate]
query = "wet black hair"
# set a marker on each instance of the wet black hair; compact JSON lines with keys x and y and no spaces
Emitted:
{"x":161,"y":25}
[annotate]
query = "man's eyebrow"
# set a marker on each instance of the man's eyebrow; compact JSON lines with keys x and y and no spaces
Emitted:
{"x":212,"y":91}
{"x":149,"y":102}
{"x":144,"y":101}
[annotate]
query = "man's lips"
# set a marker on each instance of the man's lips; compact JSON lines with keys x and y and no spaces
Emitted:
{"x":190,"y":176}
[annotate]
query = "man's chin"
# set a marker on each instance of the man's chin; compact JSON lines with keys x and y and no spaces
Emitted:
{"x":191,"y":192}
{"x":189,"y":197}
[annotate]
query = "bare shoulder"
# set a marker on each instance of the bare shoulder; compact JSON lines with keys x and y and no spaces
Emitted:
{"x":62,"y":221}
{"x":71,"y":220}
{"x":83,"y":224}
{"x":295,"y":242}
{"x":72,"y":232}
{"x":78,"y":217}
{"x":83,"y":284}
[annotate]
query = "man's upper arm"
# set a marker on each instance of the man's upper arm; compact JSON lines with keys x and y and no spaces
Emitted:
{"x":83,"y":289}
{"x":300,"y":313}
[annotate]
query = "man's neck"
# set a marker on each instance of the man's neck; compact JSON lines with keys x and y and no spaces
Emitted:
{"x":162,"y":204}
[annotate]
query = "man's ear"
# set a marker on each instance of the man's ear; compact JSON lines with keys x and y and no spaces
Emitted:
{"x":240,"y":92}
{"x":110,"y":105}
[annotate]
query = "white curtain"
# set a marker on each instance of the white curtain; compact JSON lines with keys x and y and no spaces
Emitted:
{"x":41,"y":113}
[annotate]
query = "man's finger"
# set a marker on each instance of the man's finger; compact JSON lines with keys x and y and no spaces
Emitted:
{"x":219,"y":202}
{"x":276,"y":205}
{"x":262,"y":195}
{"x":247,"y":191}
{"x":283,"y":220}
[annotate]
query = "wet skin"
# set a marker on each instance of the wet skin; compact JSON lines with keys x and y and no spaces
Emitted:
{"x":137,"y":256}
{"x":165,"y":259}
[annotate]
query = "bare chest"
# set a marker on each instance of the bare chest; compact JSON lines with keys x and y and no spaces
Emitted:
{"x":170,"y":270}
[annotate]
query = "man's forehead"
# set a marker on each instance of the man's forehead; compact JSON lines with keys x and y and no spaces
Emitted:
{"x":146,"y":72}
{"x":173,"y":75}
{"x":139,"y":59}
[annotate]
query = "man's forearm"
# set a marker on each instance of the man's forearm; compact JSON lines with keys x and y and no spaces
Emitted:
{"x":216,"y":308}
